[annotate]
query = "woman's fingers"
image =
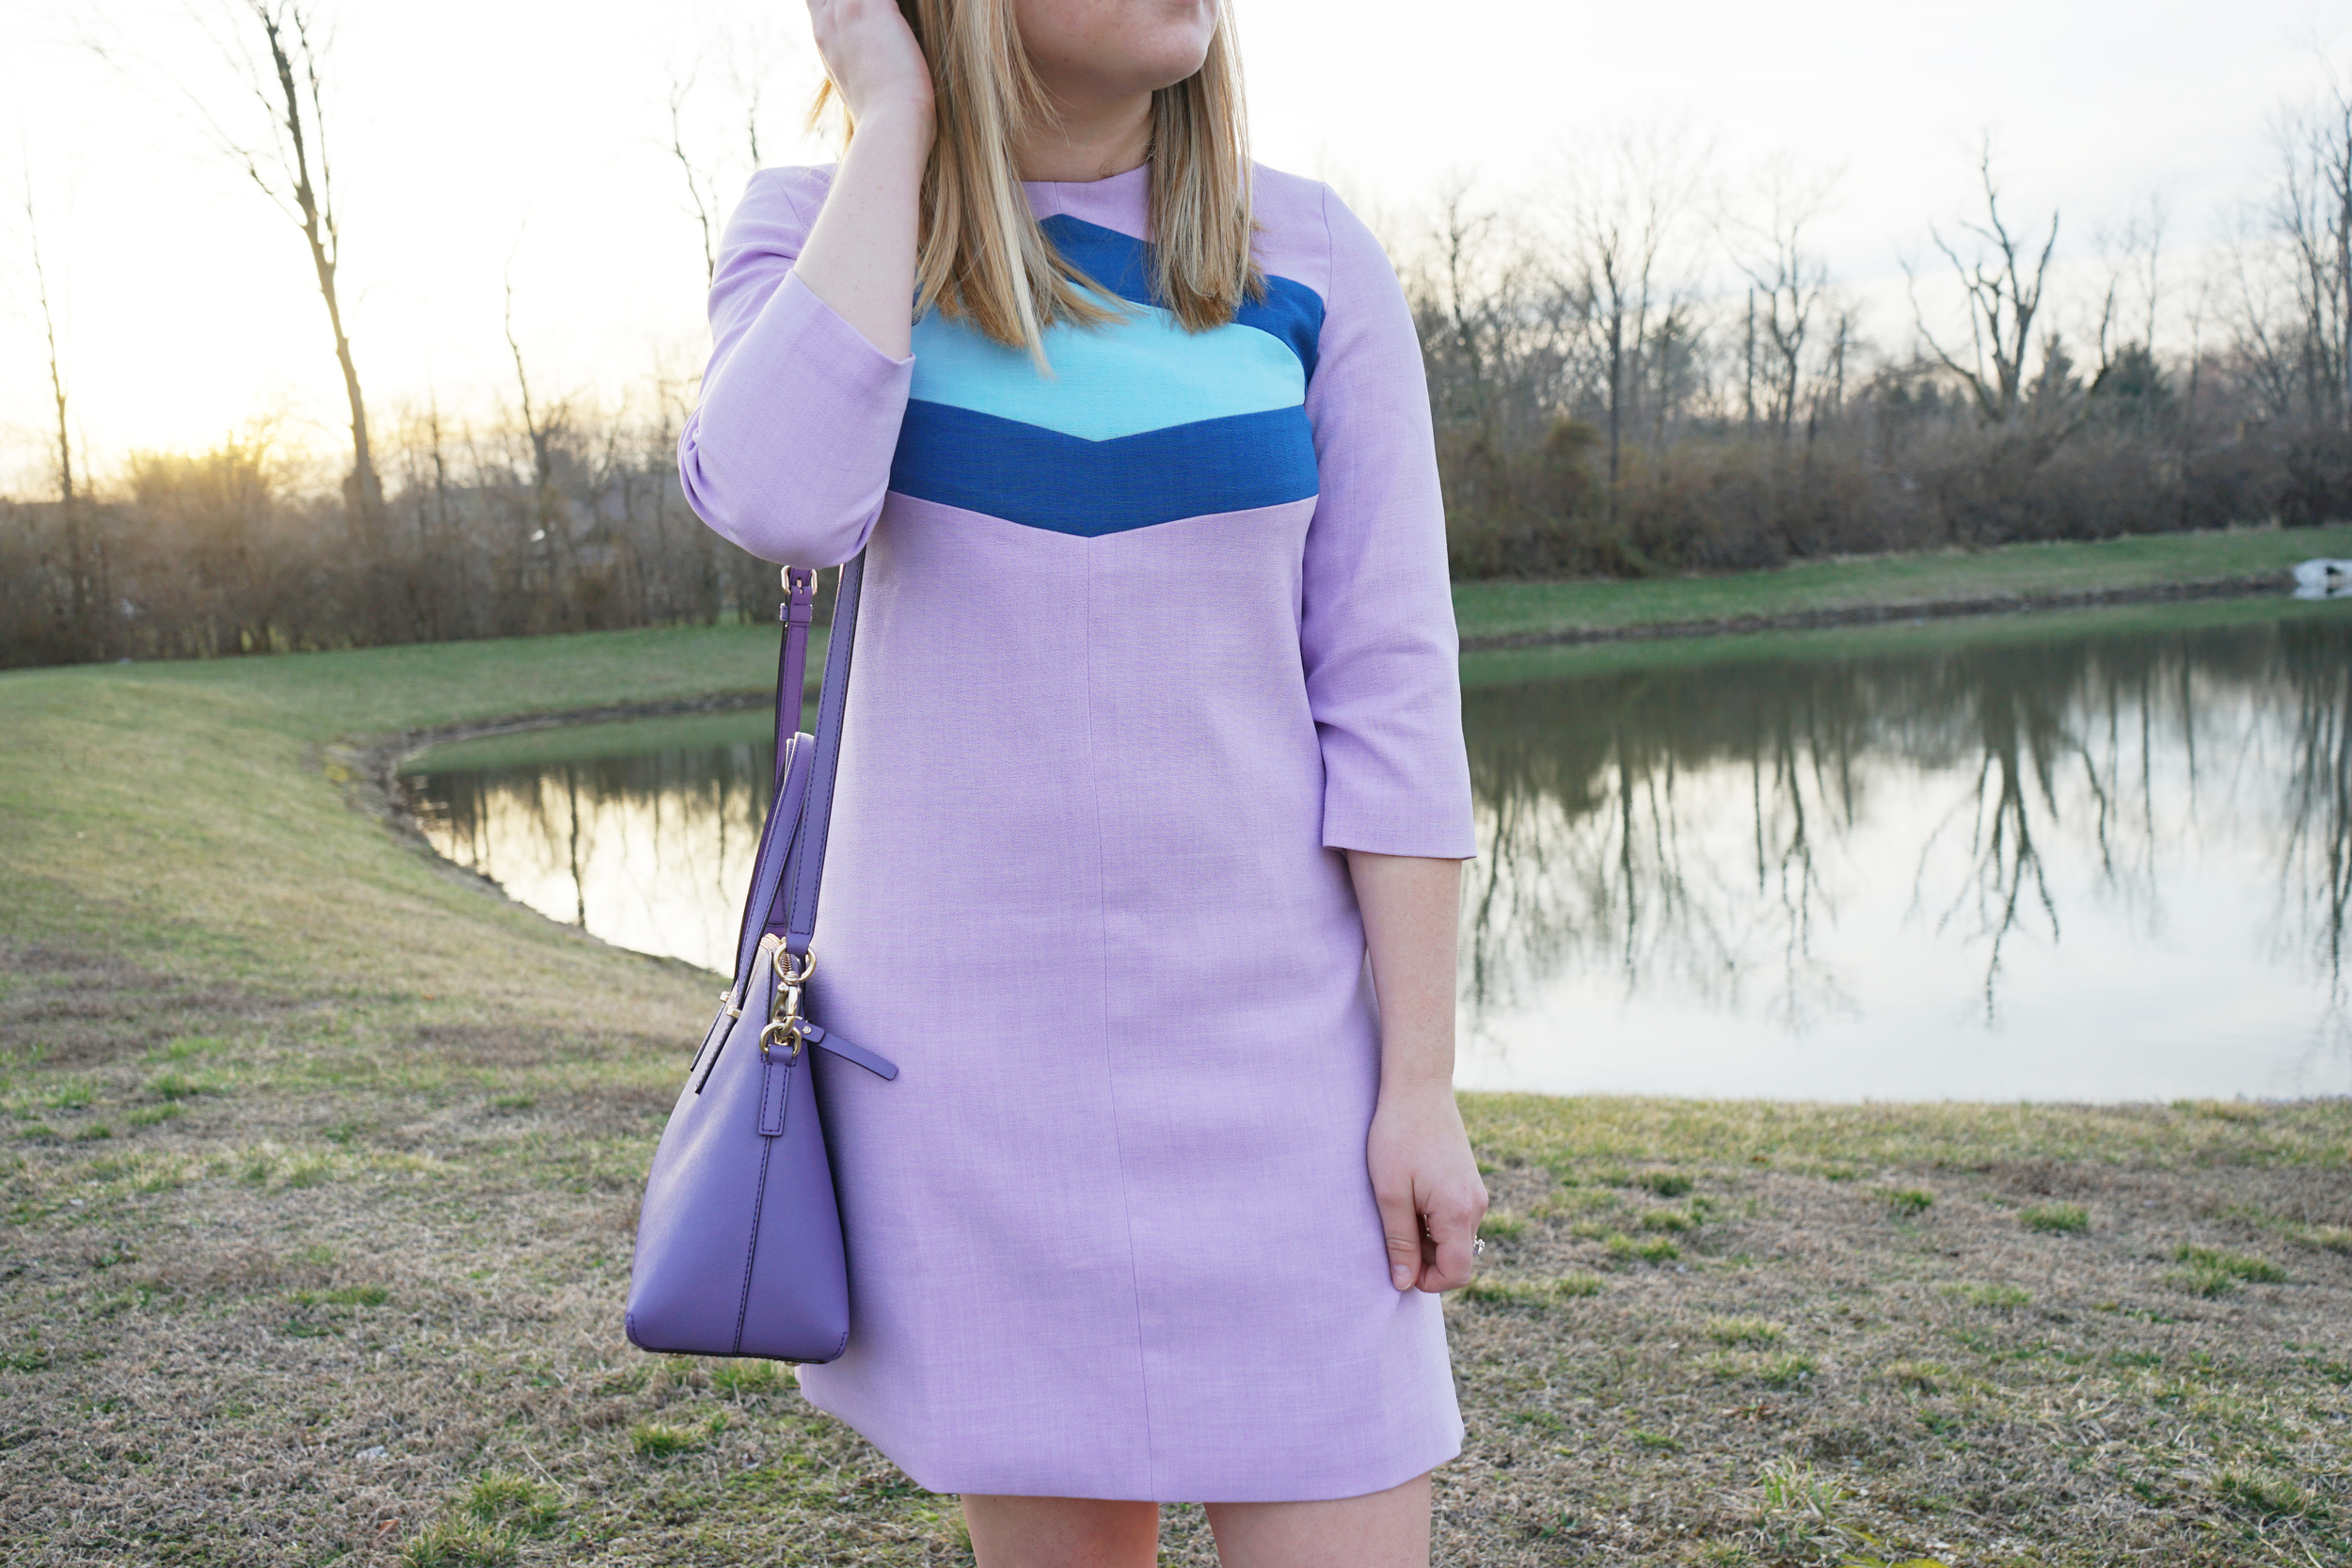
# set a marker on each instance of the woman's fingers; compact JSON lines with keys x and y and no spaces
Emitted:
{"x":1402,"y":1224}
{"x":871,"y":56}
{"x":1451,"y":1225}
{"x":1426,"y":1182}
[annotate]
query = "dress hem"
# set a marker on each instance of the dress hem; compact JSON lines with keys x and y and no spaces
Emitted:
{"x":941,"y":1482}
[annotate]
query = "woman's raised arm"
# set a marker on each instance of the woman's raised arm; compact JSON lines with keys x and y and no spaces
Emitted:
{"x":860,"y":258}
{"x":788,"y":451}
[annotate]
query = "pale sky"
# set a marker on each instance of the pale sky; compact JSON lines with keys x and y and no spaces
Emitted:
{"x":468,"y":133}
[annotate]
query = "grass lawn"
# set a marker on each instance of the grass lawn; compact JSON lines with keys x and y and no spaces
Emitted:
{"x":321,"y":1163}
{"x":1502,"y":610}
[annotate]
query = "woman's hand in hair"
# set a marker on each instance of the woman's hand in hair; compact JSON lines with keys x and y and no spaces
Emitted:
{"x":873,"y":59}
{"x":859,"y":258}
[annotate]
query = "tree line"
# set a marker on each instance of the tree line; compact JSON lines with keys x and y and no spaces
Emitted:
{"x":1627,"y":375}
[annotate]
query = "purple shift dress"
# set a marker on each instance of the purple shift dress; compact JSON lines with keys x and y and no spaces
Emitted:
{"x":1144,"y":645}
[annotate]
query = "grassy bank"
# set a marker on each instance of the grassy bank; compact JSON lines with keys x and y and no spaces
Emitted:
{"x":321,"y":1163}
{"x":2021,"y":575}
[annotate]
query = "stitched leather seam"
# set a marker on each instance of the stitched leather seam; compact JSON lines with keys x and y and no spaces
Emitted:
{"x":751,"y":1252}
{"x":784,"y":1098}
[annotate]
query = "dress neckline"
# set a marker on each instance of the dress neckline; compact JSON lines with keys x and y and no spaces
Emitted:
{"x":1121,"y":202}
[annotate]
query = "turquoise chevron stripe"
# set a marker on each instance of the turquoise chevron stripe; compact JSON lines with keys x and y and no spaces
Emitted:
{"x":1144,"y":372}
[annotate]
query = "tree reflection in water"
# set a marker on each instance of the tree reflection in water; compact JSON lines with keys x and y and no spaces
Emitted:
{"x":1602,"y":801}
{"x":2315,"y":856}
{"x":649,"y":850}
{"x":2057,"y":865}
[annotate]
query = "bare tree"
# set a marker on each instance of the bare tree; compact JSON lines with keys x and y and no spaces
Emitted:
{"x":1791,"y":284}
{"x":752,"y":59}
{"x":2339,"y":167}
{"x":2333,"y":156}
{"x":277,"y":48}
{"x":1469,"y":307}
{"x":2004,"y":277}
{"x":2312,"y":212}
{"x":544,"y":428}
{"x":2133,"y":253}
{"x":701,"y":183}
{"x":79,"y":588}
{"x":1626,"y":204}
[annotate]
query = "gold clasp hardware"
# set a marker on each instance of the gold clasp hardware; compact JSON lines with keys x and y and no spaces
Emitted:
{"x":784,"y":1010}
{"x":727,"y":1003}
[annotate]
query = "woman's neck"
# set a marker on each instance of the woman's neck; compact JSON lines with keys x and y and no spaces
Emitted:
{"x":1088,"y":141}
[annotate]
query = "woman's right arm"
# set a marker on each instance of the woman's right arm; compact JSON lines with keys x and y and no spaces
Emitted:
{"x":788,"y":451}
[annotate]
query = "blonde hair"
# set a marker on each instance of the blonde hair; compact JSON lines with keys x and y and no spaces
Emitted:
{"x":981,"y":254}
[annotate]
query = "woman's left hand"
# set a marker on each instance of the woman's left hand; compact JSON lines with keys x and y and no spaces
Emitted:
{"x":1426,"y":1182}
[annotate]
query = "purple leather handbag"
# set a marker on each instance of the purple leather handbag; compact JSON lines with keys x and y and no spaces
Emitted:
{"x":739,"y":1241}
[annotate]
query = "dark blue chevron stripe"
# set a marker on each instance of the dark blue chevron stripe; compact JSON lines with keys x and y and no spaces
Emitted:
{"x":1043,"y":479}
{"x":1123,"y":264}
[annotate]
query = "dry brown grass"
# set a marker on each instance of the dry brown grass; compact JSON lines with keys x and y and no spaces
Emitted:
{"x":319,"y":1169}
{"x":295,"y":1325}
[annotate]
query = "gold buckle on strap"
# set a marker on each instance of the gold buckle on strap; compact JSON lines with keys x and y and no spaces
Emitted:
{"x":791,"y":971}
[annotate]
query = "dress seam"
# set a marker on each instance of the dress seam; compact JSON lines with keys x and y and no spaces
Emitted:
{"x":1119,"y":1144}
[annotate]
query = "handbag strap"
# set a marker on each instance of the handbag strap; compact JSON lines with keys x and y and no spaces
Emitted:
{"x":785,"y":847}
{"x":808,"y":846}
{"x":797,"y":613}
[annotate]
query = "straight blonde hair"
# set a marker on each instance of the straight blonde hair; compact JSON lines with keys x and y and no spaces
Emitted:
{"x":981,"y":254}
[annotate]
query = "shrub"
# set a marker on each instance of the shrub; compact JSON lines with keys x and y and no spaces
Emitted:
{"x":659,"y":1440}
{"x":452,"y":1545}
{"x":1744,"y":1331}
{"x":1781,"y":1370}
{"x":501,"y":1496}
{"x":1653,"y":1249}
{"x":2327,"y":1238}
{"x":1796,"y":1510}
{"x":2000,"y":1298}
{"x":2219,"y":1110}
{"x":2204,"y":1281}
{"x":308,"y":1171}
{"x":2262,"y":1492}
{"x":744,"y":1377}
{"x":1530,"y":1293}
{"x":2261,"y":1271}
{"x":1919,"y":1377}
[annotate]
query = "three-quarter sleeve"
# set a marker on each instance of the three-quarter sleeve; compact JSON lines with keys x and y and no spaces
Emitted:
{"x":1376,"y":629}
{"x":788,"y":451}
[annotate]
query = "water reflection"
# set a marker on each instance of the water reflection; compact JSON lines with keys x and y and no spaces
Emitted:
{"x":2093,"y":864}
{"x":2097,"y":867}
{"x":651,"y":850}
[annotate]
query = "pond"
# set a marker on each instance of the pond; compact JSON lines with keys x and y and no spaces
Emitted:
{"x":2101,"y":856}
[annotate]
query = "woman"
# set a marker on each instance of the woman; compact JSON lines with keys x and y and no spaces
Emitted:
{"x":1153,"y":738}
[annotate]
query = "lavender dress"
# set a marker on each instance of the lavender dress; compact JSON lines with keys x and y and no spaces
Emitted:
{"x":1144,"y":645}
